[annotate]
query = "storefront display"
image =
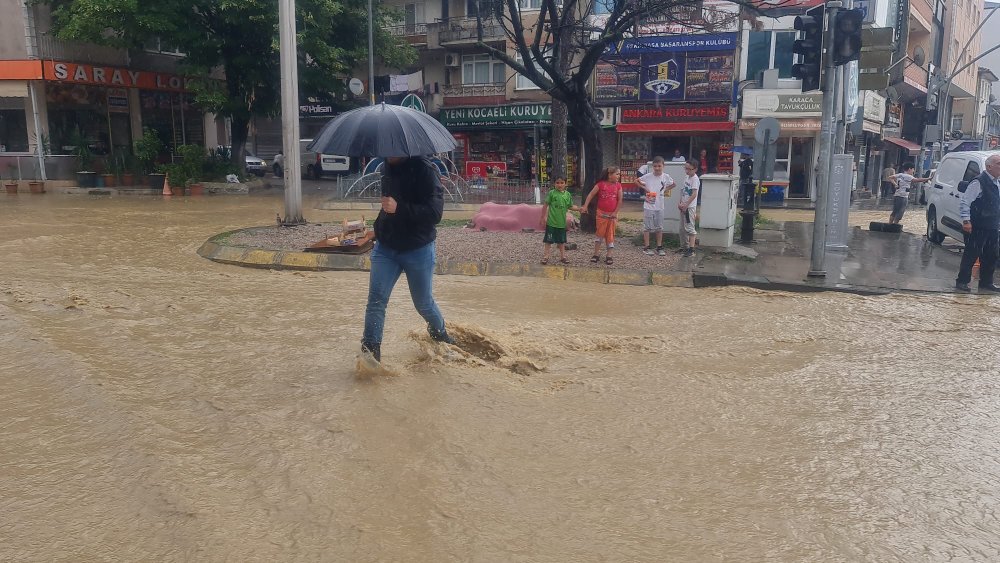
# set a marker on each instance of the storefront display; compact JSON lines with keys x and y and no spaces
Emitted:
{"x":13,"y":125}
{"x":173,"y":116}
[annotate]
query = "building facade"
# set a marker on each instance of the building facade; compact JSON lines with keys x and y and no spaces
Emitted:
{"x":53,"y":92}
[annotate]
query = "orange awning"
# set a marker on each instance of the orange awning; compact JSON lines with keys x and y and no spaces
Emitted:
{"x":913,"y":148}
{"x":21,"y":70}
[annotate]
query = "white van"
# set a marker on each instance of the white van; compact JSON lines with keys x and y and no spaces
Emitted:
{"x":944,"y":194}
{"x":316,"y":165}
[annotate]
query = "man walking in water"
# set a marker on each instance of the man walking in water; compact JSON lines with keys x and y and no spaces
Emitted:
{"x":980,"y":213}
{"x":405,"y":233}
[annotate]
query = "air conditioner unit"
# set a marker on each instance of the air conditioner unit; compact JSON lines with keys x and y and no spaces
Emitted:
{"x":453,"y":60}
{"x":608,"y":116}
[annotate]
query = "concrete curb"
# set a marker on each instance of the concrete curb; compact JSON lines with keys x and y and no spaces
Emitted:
{"x":376,"y":206}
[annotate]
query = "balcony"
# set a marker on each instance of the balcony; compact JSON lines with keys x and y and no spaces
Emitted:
{"x":464,"y":30}
{"x":50,"y":47}
{"x":469,"y":94}
{"x":414,"y":33}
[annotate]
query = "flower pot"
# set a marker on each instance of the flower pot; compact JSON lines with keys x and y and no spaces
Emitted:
{"x":37,"y":187}
{"x":86,"y":179}
{"x":156,"y":181}
{"x":11,"y":187}
{"x":128,"y":179}
{"x":178,"y":190}
{"x":196,"y":189}
{"x":109,"y":180}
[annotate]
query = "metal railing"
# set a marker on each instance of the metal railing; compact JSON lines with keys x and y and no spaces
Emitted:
{"x":464,"y":29}
{"x":50,"y":47}
{"x":25,"y":167}
{"x":407,"y":29}
{"x":469,"y":90}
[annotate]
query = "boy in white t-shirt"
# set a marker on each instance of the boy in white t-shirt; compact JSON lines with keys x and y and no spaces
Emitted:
{"x":657,"y":186}
{"x":903,"y":182}
{"x":688,"y":206}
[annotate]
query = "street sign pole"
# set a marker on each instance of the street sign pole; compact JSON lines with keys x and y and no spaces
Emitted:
{"x":290,"y":113}
{"x":828,"y":137}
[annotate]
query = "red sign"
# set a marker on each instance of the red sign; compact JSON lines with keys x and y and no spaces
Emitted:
{"x":74,"y":73}
{"x":482,"y":169}
{"x":679,"y":117}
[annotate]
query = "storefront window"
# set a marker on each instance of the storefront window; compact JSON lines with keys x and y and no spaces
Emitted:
{"x":13,"y":125}
{"x":173,"y":116}
{"x":78,"y":108}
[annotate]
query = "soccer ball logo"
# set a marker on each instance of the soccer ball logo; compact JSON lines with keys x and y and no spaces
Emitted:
{"x":666,"y":78}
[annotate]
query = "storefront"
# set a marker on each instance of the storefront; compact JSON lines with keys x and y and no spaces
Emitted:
{"x":799,"y":115}
{"x":675,"y":93}
{"x":868,"y":142}
{"x":512,"y":143}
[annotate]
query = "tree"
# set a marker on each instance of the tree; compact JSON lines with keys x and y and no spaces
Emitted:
{"x":560,"y":49}
{"x":240,"y":39}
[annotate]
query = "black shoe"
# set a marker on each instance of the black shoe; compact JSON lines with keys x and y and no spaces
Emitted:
{"x":442,"y":336}
{"x":372,"y":348}
{"x":963,"y":287}
{"x":689,"y":252}
{"x":989,"y":289}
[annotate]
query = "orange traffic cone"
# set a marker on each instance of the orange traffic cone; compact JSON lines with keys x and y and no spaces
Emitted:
{"x":166,"y":186}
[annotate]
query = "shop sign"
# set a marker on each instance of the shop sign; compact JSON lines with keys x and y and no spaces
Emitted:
{"x":894,"y":115}
{"x":874,"y":107}
{"x":74,"y":73}
{"x":675,"y":114}
{"x":666,"y":77}
{"x":316,"y":110}
{"x":712,"y":16}
{"x":520,"y":114}
{"x":810,"y":125}
{"x":775,"y":103}
{"x":483,"y":169}
{"x":118,"y":100}
{"x":673,"y":43}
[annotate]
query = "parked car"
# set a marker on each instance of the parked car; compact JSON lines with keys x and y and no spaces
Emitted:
{"x":316,"y":165}
{"x":944,"y":194}
{"x":255,"y":165}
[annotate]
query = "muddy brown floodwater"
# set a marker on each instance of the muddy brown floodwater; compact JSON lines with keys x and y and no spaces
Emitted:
{"x":160,"y":407}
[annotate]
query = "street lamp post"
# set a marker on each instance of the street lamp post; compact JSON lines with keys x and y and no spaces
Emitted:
{"x":371,"y":55}
{"x":289,"y":61}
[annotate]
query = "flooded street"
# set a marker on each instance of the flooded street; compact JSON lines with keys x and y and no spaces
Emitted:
{"x":161,"y":407}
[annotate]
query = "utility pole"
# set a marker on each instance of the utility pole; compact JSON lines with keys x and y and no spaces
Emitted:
{"x":371,"y":55}
{"x":290,"y":113}
{"x":828,"y":137}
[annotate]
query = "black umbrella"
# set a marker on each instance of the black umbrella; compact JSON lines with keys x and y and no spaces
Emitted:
{"x":383,"y":130}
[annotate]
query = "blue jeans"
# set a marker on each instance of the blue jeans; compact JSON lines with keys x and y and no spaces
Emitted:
{"x":387,"y":265}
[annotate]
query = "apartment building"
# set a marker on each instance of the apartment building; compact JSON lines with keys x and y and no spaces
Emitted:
{"x":51,"y":88}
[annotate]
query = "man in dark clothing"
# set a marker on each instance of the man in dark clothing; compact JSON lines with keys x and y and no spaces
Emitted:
{"x":405,"y":233}
{"x":980,"y":213}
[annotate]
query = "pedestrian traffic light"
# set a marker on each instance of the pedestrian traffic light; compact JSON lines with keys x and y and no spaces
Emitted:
{"x":847,"y":36}
{"x":809,"y":47}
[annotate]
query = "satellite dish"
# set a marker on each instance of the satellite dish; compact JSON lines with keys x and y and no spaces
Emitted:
{"x":893,"y":94}
{"x":919,"y":56}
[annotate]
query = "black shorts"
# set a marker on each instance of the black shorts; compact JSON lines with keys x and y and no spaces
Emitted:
{"x":554,"y":235}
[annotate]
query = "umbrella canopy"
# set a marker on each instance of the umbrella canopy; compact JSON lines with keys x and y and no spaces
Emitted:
{"x":383,"y":130}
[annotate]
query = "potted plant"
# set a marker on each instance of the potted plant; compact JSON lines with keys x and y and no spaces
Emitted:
{"x":128,"y":165}
{"x":11,"y":184}
{"x":147,"y":148}
{"x":111,"y":172}
{"x":85,"y":177}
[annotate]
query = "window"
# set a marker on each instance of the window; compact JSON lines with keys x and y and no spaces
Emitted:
{"x":413,"y":14}
{"x":957,"y":121}
{"x":529,"y":4}
{"x":523,"y":83}
{"x":13,"y":126}
{"x":770,"y":49}
{"x":157,"y":45}
{"x":482,"y":69}
{"x":485,"y":7}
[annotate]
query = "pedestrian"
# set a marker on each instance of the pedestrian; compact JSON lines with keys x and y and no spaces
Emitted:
{"x":657,"y":186}
{"x":903,"y":181}
{"x":703,"y":162}
{"x":888,"y":182}
{"x":678,"y":157}
{"x":688,"y":206}
{"x":980,"y":214}
{"x":279,"y":165}
{"x":405,"y":233}
{"x":609,"y":194}
{"x":557,"y":203}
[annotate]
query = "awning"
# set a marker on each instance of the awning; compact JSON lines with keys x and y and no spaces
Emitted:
{"x":913,"y":148}
{"x":668,"y":127}
{"x":13,"y":89}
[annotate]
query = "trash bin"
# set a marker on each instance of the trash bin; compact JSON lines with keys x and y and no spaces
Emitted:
{"x":775,"y":194}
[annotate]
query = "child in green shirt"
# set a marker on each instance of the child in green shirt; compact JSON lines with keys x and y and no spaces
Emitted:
{"x":557,"y":202}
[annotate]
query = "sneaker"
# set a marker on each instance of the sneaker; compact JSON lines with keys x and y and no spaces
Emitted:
{"x":963,"y":287}
{"x":647,"y":251}
{"x":989,"y":289}
{"x":688,"y":252}
{"x":442,"y":336}
{"x":660,"y":251}
{"x":372,"y":348}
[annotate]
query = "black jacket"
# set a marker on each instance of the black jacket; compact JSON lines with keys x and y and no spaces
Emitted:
{"x":416,"y":187}
{"x":985,"y":211}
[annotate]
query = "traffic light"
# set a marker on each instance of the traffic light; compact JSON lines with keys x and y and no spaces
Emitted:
{"x":810,"y":48}
{"x":847,"y":36}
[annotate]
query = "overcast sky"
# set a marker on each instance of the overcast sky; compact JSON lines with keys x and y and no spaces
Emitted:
{"x":991,"y":38}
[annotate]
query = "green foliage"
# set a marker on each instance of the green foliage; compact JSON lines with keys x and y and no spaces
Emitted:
{"x":147,"y":148}
{"x":81,"y":150}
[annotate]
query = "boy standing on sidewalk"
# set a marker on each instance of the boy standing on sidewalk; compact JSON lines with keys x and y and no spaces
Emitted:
{"x":688,"y":207}
{"x":903,"y":181}
{"x":557,"y":202}
{"x":657,"y":187}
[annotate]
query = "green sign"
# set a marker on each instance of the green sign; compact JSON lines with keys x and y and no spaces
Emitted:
{"x":519,"y":114}
{"x":413,"y":102}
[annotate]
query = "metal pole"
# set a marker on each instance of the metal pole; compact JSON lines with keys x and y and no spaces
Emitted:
{"x":290,"y":113}
{"x":371,"y":55}
{"x":828,"y":136}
